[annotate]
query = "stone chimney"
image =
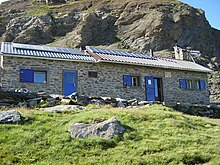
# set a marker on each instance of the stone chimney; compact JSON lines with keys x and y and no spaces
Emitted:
{"x":181,"y":54}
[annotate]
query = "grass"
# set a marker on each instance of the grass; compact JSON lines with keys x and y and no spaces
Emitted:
{"x":155,"y":135}
{"x":45,"y":9}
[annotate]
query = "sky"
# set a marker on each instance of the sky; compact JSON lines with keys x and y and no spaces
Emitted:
{"x":211,"y":8}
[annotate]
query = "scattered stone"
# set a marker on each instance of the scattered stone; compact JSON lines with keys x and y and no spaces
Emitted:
{"x":10,"y":116}
{"x":33,"y":102}
{"x":65,"y":101}
{"x":122,"y":103}
{"x":83,"y":100}
{"x":106,"y":129}
{"x":60,"y":108}
{"x":22,"y":104}
{"x":97,"y":102}
{"x":199,"y":109}
{"x":51,"y":102}
{"x":141,"y":103}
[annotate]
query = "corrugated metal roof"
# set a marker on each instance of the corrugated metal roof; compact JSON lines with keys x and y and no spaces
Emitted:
{"x":45,"y":52}
{"x":97,"y":55}
{"x":121,"y":57}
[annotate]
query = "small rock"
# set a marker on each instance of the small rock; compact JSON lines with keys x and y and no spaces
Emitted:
{"x":97,"y":101}
{"x":120,"y":104}
{"x":51,"y":102}
{"x":60,"y":108}
{"x":73,"y":95}
{"x":83,"y":100}
{"x":10,"y":116}
{"x":143,"y":103}
{"x":33,"y":102}
{"x":65,"y":101}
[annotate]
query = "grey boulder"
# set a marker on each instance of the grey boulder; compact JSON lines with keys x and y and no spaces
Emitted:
{"x":10,"y":116}
{"x":106,"y":129}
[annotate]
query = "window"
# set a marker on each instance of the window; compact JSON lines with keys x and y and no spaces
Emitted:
{"x":33,"y":76}
{"x":188,"y":84}
{"x":129,"y":80}
{"x":192,"y":84}
{"x":135,"y":81}
{"x":40,"y":77}
{"x":93,"y":74}
{"x":196,"y":84}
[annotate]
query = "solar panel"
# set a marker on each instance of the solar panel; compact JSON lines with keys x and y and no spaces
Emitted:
{"x":120,"y":53}
{"x":48,"y":49}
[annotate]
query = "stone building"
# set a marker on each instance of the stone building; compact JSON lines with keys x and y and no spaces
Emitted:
{"x":99,"y":72}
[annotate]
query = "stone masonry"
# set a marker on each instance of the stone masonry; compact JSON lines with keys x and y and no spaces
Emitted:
{"x":108,"y":83}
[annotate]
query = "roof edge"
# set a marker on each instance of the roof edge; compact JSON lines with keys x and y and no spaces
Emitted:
{"x":45,"y":58}
{"x":174,"y":68}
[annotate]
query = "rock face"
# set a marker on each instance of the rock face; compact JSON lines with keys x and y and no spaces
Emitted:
{"x":137,"y":25}
{"x":105,"y":129}
{"x":10,"y":116}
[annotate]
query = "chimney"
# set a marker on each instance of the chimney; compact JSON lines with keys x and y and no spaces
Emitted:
{"x":181,"y":54}
{"x":151,"y":52}
{"x":82,"y":48}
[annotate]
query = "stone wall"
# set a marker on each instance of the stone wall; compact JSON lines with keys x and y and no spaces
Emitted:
{"x":108,"y":83}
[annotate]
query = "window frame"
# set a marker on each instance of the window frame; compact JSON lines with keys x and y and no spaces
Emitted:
{"x":135,"y":81}
{"x":189,"y":84}
{"x":45,"y":76}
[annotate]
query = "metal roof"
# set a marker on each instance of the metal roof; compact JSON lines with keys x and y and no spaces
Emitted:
{"x":121,"y":57}
{"x":45,"y":52}
{"x":97,"y":55}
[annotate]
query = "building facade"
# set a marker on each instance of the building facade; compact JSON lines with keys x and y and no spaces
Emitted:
{"x":99,"y":72}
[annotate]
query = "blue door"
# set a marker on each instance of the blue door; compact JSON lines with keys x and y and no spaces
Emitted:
{"x":150,"y":88}
{"x":69,"y":83}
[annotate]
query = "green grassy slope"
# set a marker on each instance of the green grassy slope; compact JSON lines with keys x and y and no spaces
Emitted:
{"x":155,"y":135}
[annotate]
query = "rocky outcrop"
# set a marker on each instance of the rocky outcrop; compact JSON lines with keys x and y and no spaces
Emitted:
{"x":39,"y":29}
{"x":10,"y":116}
{"x":106,"y":129}
{"x":137,"y":25}
{"x":212,"y":111}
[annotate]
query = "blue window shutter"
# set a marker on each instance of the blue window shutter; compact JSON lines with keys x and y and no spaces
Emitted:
{"x":202,"y":84}
{"x":183,"y":83}
{"x":127,"y":80}
{"x":26,"y":75}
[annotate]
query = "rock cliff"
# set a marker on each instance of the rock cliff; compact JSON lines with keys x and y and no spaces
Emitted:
{"x":137,"y":25}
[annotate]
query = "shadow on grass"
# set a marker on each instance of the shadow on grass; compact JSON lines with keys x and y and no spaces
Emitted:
{"x":27,"y":120}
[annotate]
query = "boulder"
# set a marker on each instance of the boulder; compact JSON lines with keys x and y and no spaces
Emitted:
{"x":83,"y":100}
{"x":33,"y":102}
{"x":73,"y":95}
{"x":60,"y":108}
{"x":97,"y":101}
{"x":122,"y":103}
{"x":10,"y":116}
{"x":141,"y":103}
{"x":133,"y":102}
{"x":106,"y":129}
